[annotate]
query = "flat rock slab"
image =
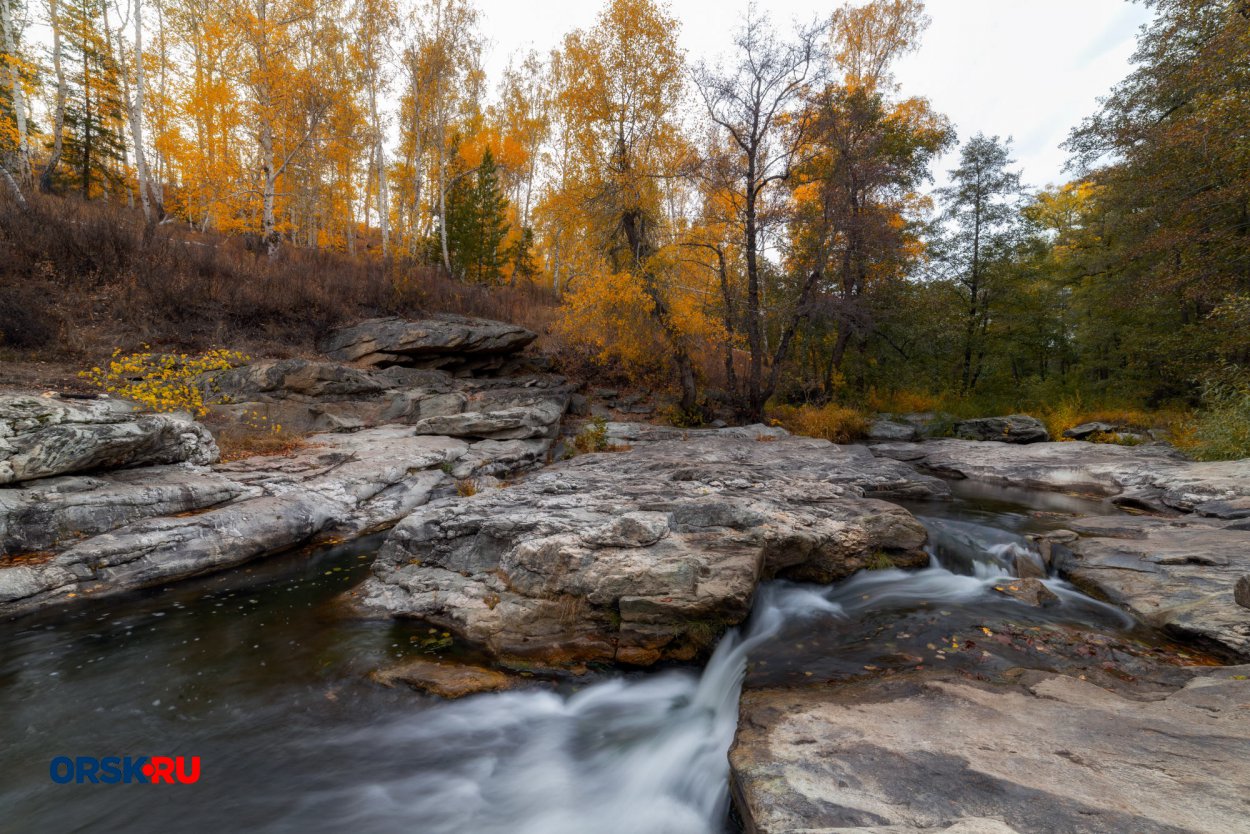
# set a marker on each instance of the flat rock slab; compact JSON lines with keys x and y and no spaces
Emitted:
{"x":1179,"y":575}
{"x":453,"y":343}
{"x":446,"y":680}
{"x":139,"y":528}
{"x":921,"y":754}
{"x":646,"y":554}
{"x":1150,"y":476}
{"x":316,"y":396}
{"x":41,"y":437}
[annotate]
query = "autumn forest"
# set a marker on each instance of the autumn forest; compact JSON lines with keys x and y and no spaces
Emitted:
{"x":753,"y":237}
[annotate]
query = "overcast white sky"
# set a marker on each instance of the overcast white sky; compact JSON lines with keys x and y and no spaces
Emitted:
{"x":1031,"y":69}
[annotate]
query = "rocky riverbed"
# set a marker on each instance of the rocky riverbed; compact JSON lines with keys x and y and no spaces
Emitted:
{"x":915,"y":659}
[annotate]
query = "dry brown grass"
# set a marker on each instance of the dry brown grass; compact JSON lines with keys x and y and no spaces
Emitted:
{"x":237,"y":442}
{"x":901,"y":402}
{"x":836,"y":423}
{"x":1063,"y":415}
{"x":75,"y":282}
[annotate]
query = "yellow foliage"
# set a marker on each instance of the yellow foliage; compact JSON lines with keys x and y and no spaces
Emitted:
{"x":161,"y":381}
{"x":610,"y":313}
{"x":1067,"y":413}
{"x":832,"y":422}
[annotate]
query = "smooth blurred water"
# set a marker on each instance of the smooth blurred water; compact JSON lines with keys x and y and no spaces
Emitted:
{"x":254,"y":673}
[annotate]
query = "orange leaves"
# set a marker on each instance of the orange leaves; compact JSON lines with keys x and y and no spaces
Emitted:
{"x":611,"y":315}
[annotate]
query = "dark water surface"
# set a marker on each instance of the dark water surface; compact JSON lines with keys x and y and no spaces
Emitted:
{"x":255,"y":673}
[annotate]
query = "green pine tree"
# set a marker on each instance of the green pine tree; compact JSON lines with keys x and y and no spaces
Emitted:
{"x":477,"y":223}
{"x":94,"y":146}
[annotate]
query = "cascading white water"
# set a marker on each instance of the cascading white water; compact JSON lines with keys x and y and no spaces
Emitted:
{"x":624,"y":756}
{"x":295,"y":740}
{"x":642,"y":755}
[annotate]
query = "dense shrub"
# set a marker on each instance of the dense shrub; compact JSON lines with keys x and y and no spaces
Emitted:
{"x":832,"y":422}
{"x":1221,"y":429}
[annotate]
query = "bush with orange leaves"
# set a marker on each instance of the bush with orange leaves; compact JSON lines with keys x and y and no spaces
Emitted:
{"x":832,"y":422}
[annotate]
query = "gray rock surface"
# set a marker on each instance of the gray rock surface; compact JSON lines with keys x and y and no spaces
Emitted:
{"x":453,"y":343}
{"x":338,"y":486}
{"x":646,"y":554}
{"x":1086,"y":429}
{"x":538,"y":417}
{"x":291,"y":378}
{"x":1155,"y":477}
{"x":48,"y":513}
{"x":1241,"y":592}
{"x":124,"y":530}
{"x":308,"y":396}
{"x":1014,"y":428}
{"x":1030,"y":591}
{"x":631,"y":433}
{"x":882,"y":429}
{"x":927,"y":754}
{"x":1179,"y":575}
{"x":45,"y":436}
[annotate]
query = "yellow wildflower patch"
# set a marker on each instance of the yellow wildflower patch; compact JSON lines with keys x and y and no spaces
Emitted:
{"x":162,"y":381}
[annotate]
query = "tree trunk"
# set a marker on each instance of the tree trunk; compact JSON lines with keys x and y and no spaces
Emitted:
{"x":58,"y":111}
{"x":13,"y":186}
{"x":640,"y":249}
{"x":754,"y":315}
{"x":17,"y":98}
{"x":136,"y":129}
{"x":442,"y":206}
{"x":384,"y":211}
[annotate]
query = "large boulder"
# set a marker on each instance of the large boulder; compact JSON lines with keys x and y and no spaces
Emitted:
{"x":291,"y":379}
{"x":882,"y":429}
{"x":1179,"y":575}
{"x":315,"y":396}
{"x":646,"y":554}
{"x":1014,"y":428}
{"x":121,"y":530}
{"x":452,"y":343}
{"x":44,"y":514}
{"x":1154,"y":477}
{"x":45,"y":436}
{"x":934,"y":754}
{"x":337,"y":486}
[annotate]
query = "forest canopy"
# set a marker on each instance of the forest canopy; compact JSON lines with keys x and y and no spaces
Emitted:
{"x":760,"y":232}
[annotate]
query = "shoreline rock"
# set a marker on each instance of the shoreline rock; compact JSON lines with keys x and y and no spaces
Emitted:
{"x":929,"y":753}
{"x":1014,"y":428}
{"x":444,"y":679}
{"x":400,"y":436}
{"x":1152,"y":477}
{"x":42,"y":437}
{"x":644,"y":555}
{"x":1177,"y":575}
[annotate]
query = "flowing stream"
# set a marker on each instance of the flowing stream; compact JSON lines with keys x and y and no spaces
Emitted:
{"x":253,"y":672}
